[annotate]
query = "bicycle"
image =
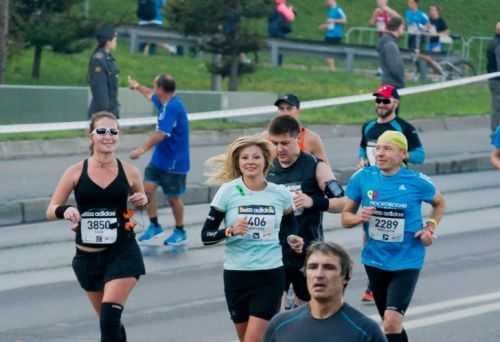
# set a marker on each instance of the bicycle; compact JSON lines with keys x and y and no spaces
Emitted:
{"x":447,"y":65}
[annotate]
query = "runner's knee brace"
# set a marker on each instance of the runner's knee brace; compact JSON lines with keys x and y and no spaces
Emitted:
{"x":110,"y":321}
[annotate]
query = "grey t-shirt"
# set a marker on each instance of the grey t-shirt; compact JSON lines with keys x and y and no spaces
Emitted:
{"x":346,"y":325}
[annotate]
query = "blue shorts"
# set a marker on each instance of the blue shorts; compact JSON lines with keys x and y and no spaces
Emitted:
{"x":172,"y":184}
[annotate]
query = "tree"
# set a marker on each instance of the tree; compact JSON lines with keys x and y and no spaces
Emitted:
{"x":4,"y":30}
{"x":59,"y":24}
{"x":226,"y":28}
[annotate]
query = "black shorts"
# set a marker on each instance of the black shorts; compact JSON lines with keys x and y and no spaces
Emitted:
{"x":333,"y":40}
{"x":93,"y":270}
{"x":296,"y":277}
{"x":253,"y":293}
{"x":392,"y":290}
{"x":172,"y":184}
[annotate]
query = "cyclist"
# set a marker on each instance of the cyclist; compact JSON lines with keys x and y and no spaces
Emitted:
{"x":326,"y":318}
{"x":309,"y":180}
{"x":108,"y":261}
{"x":252,"y":210}
{"x":390,"y":197}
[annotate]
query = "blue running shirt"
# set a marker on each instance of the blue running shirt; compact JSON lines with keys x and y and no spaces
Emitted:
{"x":391,"y":244}
{"x":260,"y":249}
{"x":338,"y":29}
{"x":172,"y":153}
{"x":495,"y":139}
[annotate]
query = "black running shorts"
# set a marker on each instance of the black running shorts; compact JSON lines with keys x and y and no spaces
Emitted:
{"x":94,"y":269}
{"x":392,"y":290}
{"x":296,"y":277}
{"x":253,"y":293}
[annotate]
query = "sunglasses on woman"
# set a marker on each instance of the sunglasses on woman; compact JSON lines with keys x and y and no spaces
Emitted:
{"x":379,"y":100}
{"x":103,"y":131}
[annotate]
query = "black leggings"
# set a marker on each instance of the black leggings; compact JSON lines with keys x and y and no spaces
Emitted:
{"x":392,"y":290}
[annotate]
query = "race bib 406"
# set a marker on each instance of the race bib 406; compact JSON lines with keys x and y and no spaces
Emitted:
{"x":260,"y":220}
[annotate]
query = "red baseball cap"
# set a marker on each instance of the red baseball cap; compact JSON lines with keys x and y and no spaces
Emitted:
{"x":388,"y":91}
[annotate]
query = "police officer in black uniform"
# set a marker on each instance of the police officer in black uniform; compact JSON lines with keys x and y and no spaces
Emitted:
{"x":314,"y":191}
{"x":493,"y":65}
{"x":103,"y":74}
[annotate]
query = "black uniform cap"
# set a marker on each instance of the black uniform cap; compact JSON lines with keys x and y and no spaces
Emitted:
{"x":106,"y":33}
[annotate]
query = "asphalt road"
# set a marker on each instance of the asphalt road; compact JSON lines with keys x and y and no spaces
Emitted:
{"x":188,"y":305}
{"x":37,"y":177}
{"x":181,"y":298}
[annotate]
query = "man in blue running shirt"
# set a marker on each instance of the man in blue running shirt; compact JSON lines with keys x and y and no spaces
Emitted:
{"x":495,"y":154}
{"x":390,"y":197}
{"x":170,"y":162}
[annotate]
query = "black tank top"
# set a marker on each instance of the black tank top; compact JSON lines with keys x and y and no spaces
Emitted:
{"x":102,"y":209}
{"x":302,"y":176}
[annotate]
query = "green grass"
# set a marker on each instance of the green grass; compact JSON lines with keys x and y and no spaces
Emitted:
{"x":309,"y":79}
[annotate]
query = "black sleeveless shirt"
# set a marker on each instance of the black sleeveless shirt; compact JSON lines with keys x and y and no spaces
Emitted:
{"x":301,"y":175}
{"x":92,"y":199}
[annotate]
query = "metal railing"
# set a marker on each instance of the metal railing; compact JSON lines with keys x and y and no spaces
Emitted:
{"x":476,"y":51}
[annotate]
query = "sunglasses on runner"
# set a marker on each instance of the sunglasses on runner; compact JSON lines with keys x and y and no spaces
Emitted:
{"x":379,"y":100}
{"x":103,"y":131}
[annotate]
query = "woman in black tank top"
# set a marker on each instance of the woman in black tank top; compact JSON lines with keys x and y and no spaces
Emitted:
{"x":108,"y":261}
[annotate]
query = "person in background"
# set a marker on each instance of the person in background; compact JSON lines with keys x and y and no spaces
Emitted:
{"x":149,"y":13}
{"x":391,"y":62}
{"x":103,"y":74}
{"x":279,"y":23}
{"x":495,"y":154}
{"x":381,"y":16}
{"x":170,"y":162}
{"x":493,"y":65}
{"x":333,"y":27}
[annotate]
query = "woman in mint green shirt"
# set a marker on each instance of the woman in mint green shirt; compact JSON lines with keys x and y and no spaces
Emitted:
{"x":252,"y":210}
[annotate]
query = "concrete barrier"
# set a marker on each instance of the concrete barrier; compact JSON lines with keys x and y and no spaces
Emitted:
{"x":41,"y":104}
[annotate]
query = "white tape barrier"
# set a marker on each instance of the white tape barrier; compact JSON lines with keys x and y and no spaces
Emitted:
{"x":220,"y":114}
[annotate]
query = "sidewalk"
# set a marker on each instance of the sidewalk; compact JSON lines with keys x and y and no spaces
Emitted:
{"x":452,"y":145}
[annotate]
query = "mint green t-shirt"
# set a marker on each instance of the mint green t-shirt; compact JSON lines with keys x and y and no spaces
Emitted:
{"x":260,"y":248}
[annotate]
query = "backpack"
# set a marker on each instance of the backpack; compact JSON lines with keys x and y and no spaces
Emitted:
{"x":146,"y":10}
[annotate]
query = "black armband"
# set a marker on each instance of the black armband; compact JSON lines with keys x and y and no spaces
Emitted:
{"x":333,"y":189}
{"x":320,"y":203}
{"x":210,"y":232}
{"x":59,"y":212}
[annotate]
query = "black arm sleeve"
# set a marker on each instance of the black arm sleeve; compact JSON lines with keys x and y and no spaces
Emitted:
{"x":210,"y":233}
{"x":290,"y":222}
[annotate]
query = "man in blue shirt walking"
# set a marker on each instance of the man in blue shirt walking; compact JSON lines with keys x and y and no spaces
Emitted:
{"x":390,"y":197}
{"x":170,"y":162}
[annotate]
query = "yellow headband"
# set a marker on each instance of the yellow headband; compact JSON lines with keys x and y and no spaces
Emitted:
{"x":395,"y":138}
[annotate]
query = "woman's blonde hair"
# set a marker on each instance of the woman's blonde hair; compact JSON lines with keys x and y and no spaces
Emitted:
{"x":225,"y":167}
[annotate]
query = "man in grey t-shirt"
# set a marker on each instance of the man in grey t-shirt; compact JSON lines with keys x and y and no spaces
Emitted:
{"x":391,"y":63}
{"x":326,"y":318}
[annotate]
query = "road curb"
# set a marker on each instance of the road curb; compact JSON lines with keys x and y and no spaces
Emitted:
{"x":10,"y":150}
{"x":33,"y":210}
